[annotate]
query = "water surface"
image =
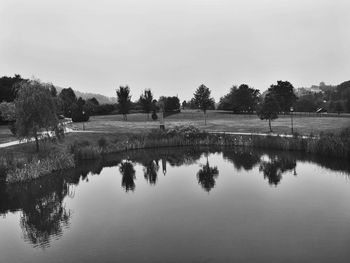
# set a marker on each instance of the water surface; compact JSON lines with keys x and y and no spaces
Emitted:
{"x":182,"y":205}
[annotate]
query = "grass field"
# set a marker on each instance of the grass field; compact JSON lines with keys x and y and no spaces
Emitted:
{"x":216,"y":121}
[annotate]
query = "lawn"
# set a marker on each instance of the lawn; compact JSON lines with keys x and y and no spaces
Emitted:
{"x":216,"y":121}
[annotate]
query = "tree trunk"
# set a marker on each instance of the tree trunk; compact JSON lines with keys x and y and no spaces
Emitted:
{"x":205,"y":118}
{"x":270,"y":125}
{"x":36,"y":142}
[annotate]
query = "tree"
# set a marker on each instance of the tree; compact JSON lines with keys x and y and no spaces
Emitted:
{"x":146,"y":101}
{"x":171,"y":104}
{"x":8,"y":114}
{"x":35,"y":110}
{"x":7,"y":111}
{"x":203,"y":100}
{"x":184,"y":104}
{"x":124,"y":101}
{"x":269,"y":109}
{"x":66,"y":100}
{"x":338,"y":107}
{"x":284,"y":95}
{"x":8,"y":87}
{"x":241,"y":99}
{"x":80,"y":110}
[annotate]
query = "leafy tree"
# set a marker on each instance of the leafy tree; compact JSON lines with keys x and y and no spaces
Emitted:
{"x":146,"y":100}
{"x":8,"y":114}
{"x":80,"y":111}
{"x":171,"y":104}
{"x":184,"y":104}
{"x":8,"y":111}
{"x":338,"y":107}
{"x":269,"y":109}
{"x":35,"y":110}
{"x":66,"y":100}
{"x":124,"y":101}
{"x":284,"y":94}
{"x":8,"y":87}
{"x":241,"y":99}
{"x":203,"y":100}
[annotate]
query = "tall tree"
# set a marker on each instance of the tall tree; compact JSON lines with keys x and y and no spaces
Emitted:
{"x":67,"y":99}
{"x":284,"y":94}
{"x":241,"y":99}
{"x":124,"y":101}
{"x":203,"y":100}
{"x":8,"y":87}
{"x":146,"y":101}
{"x":269,"y":109}
{"x":35,"y":110}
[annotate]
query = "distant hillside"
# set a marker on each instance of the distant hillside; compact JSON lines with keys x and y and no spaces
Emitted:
{"x":86,"y":95}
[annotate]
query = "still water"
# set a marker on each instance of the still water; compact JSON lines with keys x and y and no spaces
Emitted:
{"x":182,"y":205}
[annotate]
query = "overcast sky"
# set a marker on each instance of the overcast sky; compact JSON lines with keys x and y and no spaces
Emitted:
{"x":172,"y":47}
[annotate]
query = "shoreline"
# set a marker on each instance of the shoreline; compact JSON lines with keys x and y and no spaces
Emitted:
{"x":96,"y":148}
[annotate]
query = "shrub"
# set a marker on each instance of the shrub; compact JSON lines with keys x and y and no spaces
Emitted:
{"x":154,"y":116}
{"x":102,"y":142}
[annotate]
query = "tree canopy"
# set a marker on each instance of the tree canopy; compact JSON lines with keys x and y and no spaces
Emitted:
{"x":66,"y":100}
{"x":269,"y":109}
{"x":35,"y":110}
{"x":203,"y":100}
{"x":8,"y":87}
{"x":124,"y":100}
{"x":146,"y":101}
{"x":241,"y":99}
{"x":284,"y":94}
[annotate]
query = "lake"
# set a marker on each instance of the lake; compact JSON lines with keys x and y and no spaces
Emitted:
{"x":182,"y":205}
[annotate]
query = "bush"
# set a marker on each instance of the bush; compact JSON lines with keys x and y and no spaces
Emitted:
{"x":103,"y":109}
{"x":102,"y":142}
{"x":78,"y":115}
{"x":154,"y":116}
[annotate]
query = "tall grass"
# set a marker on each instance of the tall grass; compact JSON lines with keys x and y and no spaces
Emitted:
{"x":40,"y":167}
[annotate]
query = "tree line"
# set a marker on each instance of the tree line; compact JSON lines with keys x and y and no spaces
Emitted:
{"x":31,"y":106}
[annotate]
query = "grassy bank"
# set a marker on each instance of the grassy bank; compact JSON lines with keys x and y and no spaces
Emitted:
{"x":20,"y":163}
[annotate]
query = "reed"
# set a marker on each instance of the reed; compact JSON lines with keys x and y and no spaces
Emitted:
{"x":40,"y":167}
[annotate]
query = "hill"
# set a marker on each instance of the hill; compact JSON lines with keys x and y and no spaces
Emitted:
{"x":87,"y":95}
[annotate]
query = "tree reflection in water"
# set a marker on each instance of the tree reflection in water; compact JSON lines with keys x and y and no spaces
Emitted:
{"x":150,"y":172}
{"x":128,"y":175}
{"x":207,"y":175}
{"x":275,"y":167}
{"x":43,"y":214}
{"x":242,"y":157}
{"x":41,"y":202}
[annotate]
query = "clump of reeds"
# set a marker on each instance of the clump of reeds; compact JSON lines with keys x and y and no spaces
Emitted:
{"x":40,"y":167}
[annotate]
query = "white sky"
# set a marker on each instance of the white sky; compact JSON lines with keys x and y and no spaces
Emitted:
{"x":172,"y":47}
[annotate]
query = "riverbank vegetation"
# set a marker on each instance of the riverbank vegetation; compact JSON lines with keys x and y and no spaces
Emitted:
{"x":21,"y":163}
